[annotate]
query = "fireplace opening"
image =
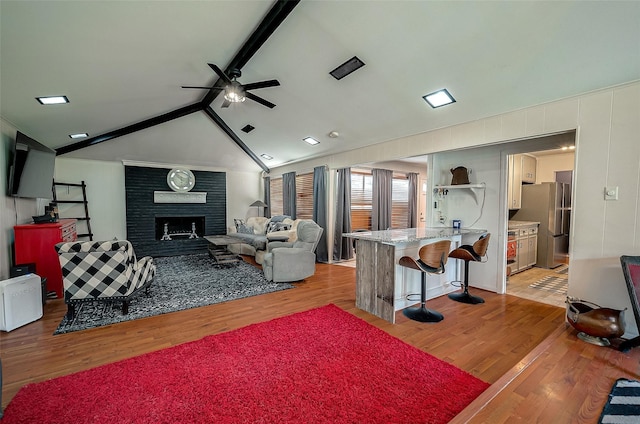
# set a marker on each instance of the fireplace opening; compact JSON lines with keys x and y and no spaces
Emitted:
{"x":179,"y":227}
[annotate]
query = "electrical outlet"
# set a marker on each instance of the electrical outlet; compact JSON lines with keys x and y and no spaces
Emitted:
{"x":611,"y":193}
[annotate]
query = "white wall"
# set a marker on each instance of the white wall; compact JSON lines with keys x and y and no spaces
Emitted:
{"x":607,"y":123}
{"x":105,"y":194}
{"x":548,"y":164}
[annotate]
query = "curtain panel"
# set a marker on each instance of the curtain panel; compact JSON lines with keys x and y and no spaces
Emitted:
{"x":289,"y":194}
{"x":413,"y":199}
{"x":320,"y":210}
{"x":342,"y":246}
{"x":382,"y":188}
{"x":267,"y":195}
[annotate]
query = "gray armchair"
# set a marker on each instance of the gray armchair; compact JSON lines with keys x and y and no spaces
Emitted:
{"x":293,"y":261}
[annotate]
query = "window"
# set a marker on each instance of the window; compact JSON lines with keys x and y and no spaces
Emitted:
{"x":361,"y":200}
{"x":276,"y":201}
{"x":304,"y":196}
{"x":361,"y":183}
{"x":400,"y":202}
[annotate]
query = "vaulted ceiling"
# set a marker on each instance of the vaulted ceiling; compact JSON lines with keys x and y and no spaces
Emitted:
{"x":122,"y":64}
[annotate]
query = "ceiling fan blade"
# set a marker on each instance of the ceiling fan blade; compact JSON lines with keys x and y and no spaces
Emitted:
{"x":225,"y":103}
{"x":260,"y":100}
{"x":204,"y":88}
{"x":261,"y":84}
{"x":221,"y":74}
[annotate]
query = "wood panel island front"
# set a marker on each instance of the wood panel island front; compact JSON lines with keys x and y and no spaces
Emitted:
{"x":383,"y":286}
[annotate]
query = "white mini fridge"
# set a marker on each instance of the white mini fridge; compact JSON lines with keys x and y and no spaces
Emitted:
{"x":20,"y":301}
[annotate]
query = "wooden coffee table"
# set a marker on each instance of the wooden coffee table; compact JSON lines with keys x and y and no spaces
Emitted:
{"x":219,"y":252}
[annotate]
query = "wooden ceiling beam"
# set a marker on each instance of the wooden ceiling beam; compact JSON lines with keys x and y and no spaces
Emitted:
{"x":227,"y":130}
{"x":148,"y":123}
{"x":276,"y":15}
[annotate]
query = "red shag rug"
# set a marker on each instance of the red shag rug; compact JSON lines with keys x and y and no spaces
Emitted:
{"x":320,"y":366}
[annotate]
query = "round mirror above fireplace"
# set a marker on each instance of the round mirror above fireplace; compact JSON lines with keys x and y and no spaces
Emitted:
{"x":181,"y":180}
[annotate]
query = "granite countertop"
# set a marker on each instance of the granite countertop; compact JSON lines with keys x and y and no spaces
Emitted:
{"x":408,"y":235}
{"x":520,"y":224}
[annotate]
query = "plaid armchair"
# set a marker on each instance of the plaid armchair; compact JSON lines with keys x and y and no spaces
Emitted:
{"x":102,"y":271}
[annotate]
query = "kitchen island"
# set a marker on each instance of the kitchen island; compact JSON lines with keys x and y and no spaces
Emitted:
{"x":382,"y":285}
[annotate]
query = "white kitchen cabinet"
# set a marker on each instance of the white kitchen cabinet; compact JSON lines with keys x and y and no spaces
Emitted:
{"x":529,"y":166}
{"x":523,"y":249}
{"x":532,"y":239}
{"x":514,"y":186}
{"x":526,"y":237}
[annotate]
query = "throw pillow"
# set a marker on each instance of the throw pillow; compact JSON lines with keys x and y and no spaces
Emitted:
{"x":241,"y":227}
{"x":279,"y":218}
{"x":277,"y":226}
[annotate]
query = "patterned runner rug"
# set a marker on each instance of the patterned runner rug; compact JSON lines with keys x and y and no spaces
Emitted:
{"x":562,"y":269}
{"x":181,"y":282}
{"x":623,"y":405}
{"x":551,"y":283}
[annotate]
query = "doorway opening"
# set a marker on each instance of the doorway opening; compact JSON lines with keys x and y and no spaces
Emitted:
{"x":539,"y":217}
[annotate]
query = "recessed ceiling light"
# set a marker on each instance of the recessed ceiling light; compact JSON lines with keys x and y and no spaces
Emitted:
{"x":248,"y":128}
{"x":52,"y":100}
{"x":310,"y":140}
{"x":266,"y":156}
{"x":439,"y":98}
{"x":79,"y":135}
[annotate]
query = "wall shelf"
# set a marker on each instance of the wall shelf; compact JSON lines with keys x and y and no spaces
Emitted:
{"x":473,"y":188}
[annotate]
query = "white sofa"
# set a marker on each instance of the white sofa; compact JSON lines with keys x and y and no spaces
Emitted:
{"x":255,"y":243}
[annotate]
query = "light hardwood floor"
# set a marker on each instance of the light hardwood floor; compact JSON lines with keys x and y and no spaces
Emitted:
{"x":538,"y":369}
{"x":518,"y":285}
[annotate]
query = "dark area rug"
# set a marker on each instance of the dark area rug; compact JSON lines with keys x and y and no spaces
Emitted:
{"x":623,"y":405}
{"x":181,"y":282}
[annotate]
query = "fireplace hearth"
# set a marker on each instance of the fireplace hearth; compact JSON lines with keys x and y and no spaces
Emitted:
{"x":179,"y":227}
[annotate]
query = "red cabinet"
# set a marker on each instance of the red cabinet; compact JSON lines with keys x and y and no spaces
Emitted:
{"x":34,"y":243}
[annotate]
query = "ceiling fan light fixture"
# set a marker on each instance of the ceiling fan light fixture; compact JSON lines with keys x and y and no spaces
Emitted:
{"x":439,"y":98}
{"x":234,"y":93}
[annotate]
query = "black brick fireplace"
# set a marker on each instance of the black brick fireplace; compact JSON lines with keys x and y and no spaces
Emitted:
{"x":146,"y":220}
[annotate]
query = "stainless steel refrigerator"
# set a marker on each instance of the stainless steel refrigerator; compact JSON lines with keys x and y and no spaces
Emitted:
{"x":550,"y":205}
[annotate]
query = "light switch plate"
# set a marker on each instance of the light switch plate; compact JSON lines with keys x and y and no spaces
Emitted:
{"x":611,"y":193}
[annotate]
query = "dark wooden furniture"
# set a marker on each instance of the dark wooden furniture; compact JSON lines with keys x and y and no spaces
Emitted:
{"x":34,"y":243}
{"x":218,"y":249}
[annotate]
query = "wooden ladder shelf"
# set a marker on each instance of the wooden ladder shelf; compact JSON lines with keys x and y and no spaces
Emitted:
{"x":86,"y":219}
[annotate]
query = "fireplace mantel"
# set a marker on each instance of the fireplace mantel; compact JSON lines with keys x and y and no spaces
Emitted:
{"x":175,"y":197}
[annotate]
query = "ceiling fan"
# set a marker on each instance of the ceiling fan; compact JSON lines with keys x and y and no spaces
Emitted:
{"x":234,"y":92}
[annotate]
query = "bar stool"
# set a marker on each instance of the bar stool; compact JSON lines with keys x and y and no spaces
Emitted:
{"x":469,"y":253}
{"x":432,"y":258}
